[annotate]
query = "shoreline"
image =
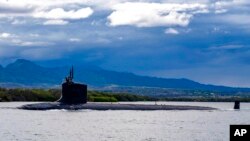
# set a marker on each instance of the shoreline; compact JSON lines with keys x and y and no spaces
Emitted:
{"x":109,"y":106}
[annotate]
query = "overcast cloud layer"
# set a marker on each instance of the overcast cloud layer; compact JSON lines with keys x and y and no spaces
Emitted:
{"x":205,"y":40}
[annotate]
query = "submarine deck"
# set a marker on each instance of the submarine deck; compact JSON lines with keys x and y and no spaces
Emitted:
{"x":109,"y":106}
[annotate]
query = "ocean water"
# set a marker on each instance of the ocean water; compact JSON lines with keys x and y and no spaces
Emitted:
{"x":92,"y":125}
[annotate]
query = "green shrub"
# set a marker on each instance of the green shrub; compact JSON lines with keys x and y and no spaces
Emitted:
{"x":104,"y":99}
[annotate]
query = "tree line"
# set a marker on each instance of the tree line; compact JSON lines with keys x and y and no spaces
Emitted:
{"x":20,"y":94}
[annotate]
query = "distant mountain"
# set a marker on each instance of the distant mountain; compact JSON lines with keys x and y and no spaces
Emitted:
{"x":26,"y":73}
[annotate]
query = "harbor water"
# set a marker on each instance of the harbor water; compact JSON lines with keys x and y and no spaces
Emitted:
{"x":93,"y":125}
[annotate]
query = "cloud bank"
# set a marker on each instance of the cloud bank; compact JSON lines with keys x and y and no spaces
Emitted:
{"x":161,"y":35}
{"x":154,"y":14}
{"x":55,"y":22}
{"x":59,"y":13}
{"x":171,"y":31}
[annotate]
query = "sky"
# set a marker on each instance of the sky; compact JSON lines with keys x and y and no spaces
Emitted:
{"x":203,"y":40}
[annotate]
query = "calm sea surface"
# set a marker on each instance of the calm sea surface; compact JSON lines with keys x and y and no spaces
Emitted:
{"x":91,"y":125}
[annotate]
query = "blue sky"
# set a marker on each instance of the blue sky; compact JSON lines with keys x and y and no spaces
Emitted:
{"x":203,"y":40}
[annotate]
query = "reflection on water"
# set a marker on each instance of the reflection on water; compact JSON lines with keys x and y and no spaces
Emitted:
{"x":91,"y":125}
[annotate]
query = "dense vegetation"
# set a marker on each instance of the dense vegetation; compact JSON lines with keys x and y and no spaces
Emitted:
{"x":54,"y":94}
{"x":97,"y":96}
{"x":28,"y":94}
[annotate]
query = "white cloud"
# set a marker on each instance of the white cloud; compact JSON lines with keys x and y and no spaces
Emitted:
{"x":154,"y":14}
{"x":59,"y":13}
{"x":55,"y":22}
{"x":43,"y":4}
{"x":5,"y":35}
{"x":140,"y":13}
{"x":34,"y":43}
{"x":219,"y":11}
{"x":74,"y":40}
{"x":15,"y":41}
{"x":226,"y":47}
{"x":171,"y":31}
{"x":19,"y":42}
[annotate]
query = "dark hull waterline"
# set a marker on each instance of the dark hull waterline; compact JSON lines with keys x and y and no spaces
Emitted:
{"x":109,"y":106}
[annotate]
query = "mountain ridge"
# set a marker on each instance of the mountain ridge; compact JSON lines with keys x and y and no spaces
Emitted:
{"x":25,"y":72}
